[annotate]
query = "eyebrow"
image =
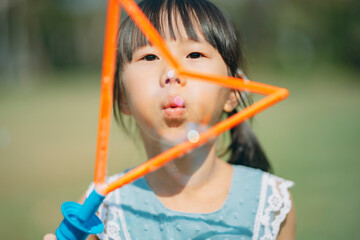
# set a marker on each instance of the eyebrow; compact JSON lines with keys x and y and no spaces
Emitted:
{"x":184,"y":40}
{"x":195,"y":41}
{"x":188,"y":40}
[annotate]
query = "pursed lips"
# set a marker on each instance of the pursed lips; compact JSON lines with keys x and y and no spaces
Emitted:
{"x":174,"y":107}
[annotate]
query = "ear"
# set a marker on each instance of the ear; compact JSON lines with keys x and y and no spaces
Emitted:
{"x":124,"y":104}
{"x":232,"y":101}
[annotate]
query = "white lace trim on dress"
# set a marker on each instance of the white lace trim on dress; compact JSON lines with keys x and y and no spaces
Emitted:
{"x":278,"y":206}
{"x":261,"y":206}
{"x":121,"y":215}
{"x":112,"y":215}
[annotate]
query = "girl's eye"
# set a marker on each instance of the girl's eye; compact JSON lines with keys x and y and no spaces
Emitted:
{"x":150,"y":57}
{"x":195,"y":55}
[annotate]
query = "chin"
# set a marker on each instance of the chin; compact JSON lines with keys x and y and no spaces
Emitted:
{"x":174,"y":122}
{"x":173,"y":135}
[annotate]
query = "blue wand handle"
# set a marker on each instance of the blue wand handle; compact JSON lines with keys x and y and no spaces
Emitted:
{"x":80,"y":220}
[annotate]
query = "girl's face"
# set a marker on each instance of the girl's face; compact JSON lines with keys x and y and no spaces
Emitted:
{"x":164,"y":105}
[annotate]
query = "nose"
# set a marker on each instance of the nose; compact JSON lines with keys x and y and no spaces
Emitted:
{"x":170,"y":78}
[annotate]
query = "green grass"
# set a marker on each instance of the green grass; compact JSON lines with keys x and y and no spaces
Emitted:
{"x":48,"y":137}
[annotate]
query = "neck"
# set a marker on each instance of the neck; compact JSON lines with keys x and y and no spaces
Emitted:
{"x":187,"y":173}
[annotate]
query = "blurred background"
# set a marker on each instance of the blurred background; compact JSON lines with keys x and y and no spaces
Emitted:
{"x":50,"y":67}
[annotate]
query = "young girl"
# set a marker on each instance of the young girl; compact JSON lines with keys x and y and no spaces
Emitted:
{"x":197,"y":196}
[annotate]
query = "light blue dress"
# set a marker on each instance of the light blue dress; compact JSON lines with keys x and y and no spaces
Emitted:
{"x":257,"y":204}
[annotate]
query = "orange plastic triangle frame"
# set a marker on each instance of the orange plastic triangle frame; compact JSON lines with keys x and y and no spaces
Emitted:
{"x":273,"y":95}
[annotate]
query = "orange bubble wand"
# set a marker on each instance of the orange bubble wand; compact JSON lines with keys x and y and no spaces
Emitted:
{"x":274,"y":95}
{"x":80,"y":220}
{"x":106,"y":92}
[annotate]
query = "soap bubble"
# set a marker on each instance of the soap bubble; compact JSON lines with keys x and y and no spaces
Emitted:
{"x":171,"y":74}
{"x":193,"y":136}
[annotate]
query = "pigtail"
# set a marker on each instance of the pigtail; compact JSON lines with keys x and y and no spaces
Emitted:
{"x":245,"y":148}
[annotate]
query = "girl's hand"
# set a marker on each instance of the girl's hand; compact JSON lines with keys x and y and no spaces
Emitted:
{"x":49,"y":236}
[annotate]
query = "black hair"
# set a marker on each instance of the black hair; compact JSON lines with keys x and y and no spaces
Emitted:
{"x":220,"y":33}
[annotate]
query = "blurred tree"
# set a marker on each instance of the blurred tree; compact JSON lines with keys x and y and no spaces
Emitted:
{"x":41,"y":35}
{"x":341,"y":30}
{"x":299,"y":32}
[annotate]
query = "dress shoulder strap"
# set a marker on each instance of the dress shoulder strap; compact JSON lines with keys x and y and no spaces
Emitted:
{"x":111,"y":214}
{"x":274,"y":205}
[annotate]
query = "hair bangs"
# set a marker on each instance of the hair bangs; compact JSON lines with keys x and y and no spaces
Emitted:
{"x":166,"y":17}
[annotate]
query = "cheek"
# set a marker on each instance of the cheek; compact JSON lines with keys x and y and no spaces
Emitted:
{"x":211,"y":99}
{"x":138,"y":87}
{"x":211,"y":67}
{"x":141,"y":97}
{"x":140,"y":101}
